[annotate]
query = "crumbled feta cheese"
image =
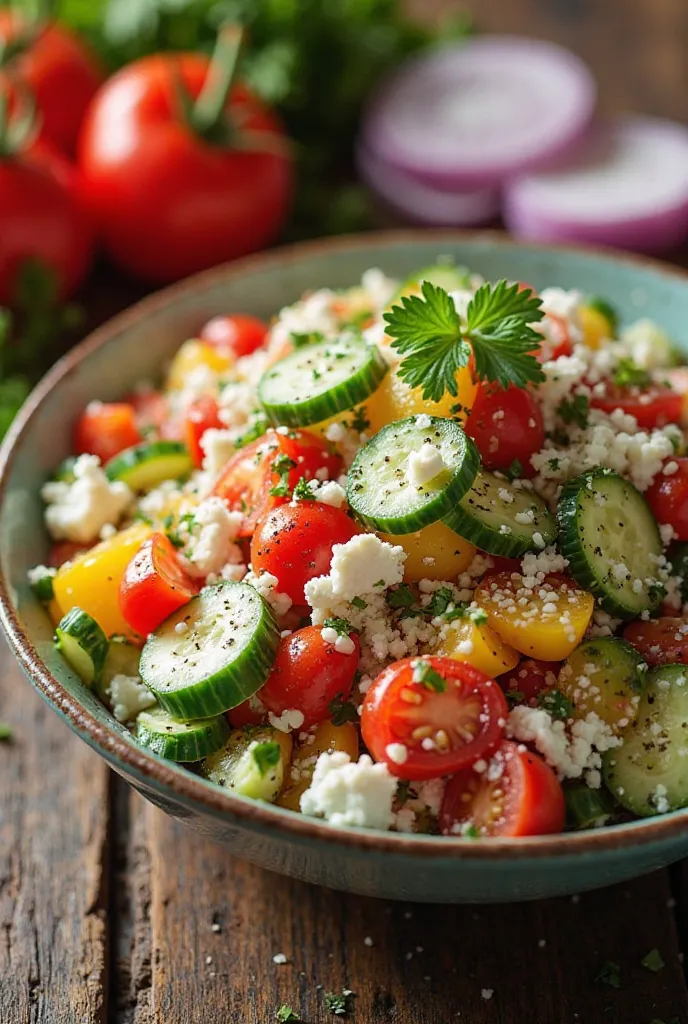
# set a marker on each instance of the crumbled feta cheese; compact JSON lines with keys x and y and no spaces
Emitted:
{"x":78,"y":511}
{"x":356,"y":793}
{"x":572,"y":751}
{"x":210,"y":538}
{"x":279,"y":958}
{"x":380,"y":288}
{"x":364,"y":565}
{"x":424,"y":465}
{"x":648,"y":345}
{"x":423,"y":421}
{"x":38,"y":573}
{"x":335,"y":432}
{"x":329,"y":492}
{"x":667,"y":533}
{"x":397,"y":752}
{"x":218,"y":448}
{"x":288,"y":721}
{"x":266,"y":585}
{"x":128,"y":696}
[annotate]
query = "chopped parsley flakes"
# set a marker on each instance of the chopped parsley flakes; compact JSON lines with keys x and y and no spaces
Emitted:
{"x":286,"y":1014}
{"x":653,"y":960}
{"x":266,"y":755}
{"x":342,"y":711}
{"x":609,"y":974}
{"x":424,"y":673}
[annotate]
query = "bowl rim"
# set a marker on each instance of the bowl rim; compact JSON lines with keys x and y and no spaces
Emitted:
{"x":176,"y":782}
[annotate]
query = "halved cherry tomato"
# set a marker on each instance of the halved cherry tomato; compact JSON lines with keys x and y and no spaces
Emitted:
{"x":662,"y":641}
{"x":560,"y":337}
{"x":64,"y":551}
{"x":294,"y":543}
{"x":308,"y":674}
{"x":506,"y":426}
{"x":105,"y":429}
{"x":154,"y":585}
{"x":240,"y":334}
{"x":251,"y":711}
{"x":653,"y":406}
{"x":151,"y":408}
{"x":251,"y":474}
{"x":530,"y":678}
{"x":502,"y":564}
{"x":201,"y":415}
{"x":441,"y":730}
{"x":518,"y":795}
{"x":668,"y":498}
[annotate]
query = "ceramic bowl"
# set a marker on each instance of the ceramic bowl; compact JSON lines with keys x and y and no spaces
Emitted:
{"x":135,"y":345}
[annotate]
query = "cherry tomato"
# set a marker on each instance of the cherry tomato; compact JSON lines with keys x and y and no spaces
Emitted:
{"x":530,"y":678}
{"x":502,"y":564}
{"x":64,"y":551}
{"x":668,"y":498}
{"x":201,"y":415}
{"x":662,"y":641}
{"x":154,"y":585}
{"x":240,"y":334}
{"x":442,"y":729}
{"x":58,"y":68}
{"x":652,"y":406}
{"x":170,"y":194}
{"x":308,"y":674}
{"x":105,"y":429}
{"x":251,"y":711}
{"x":43,"y":219}
{"x":151,"y":408}
{"x":250,"y":474}
{"x":519,"y":795}
{"x":560,"y":343}
{"x":294,"y":543}
{"x":507,"y":427}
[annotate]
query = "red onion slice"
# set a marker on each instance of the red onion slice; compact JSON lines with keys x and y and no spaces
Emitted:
{"x":627,"y":187}
{"x":469,"y":115}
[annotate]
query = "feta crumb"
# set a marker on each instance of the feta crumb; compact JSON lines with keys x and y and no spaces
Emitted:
{"x":38,"y":573}
{"x":423,"y":421}
{"x":266,"y":585}
{"x":218,"y":447}
{"x":335,"y":432}
{"x":487,"y":993}
{"x":573,"y":753}
{"x":397,"y":752}
{"x":211,"y":536}
{"x":79,"y":510}
{"x":356,"y":793}
{"x":288,"y":721}
{"x":128,"y":696}
{"x":363,"y":565}
{"x":279,"y":958}
{"x":424,"y":465}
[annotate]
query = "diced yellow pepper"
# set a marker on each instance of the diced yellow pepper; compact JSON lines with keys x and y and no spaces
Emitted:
{"x":546,"y":622}
{"x":476,"y":645}
{"x":433,"y":553}
{"x":595,"y":325}
{"x":190,"y":356}
{"x":394,"y":400}
{"x":327,"y":738}
{"x":92,"y":580}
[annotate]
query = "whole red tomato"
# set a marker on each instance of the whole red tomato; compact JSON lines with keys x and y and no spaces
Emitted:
{"x":42,"y":218}
{"x":183,"y":171}
{"x":56,"y":66}
{"x":507,"y":428}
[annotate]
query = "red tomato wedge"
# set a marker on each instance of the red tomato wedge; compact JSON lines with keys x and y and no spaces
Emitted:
{"x":668,"y":498}
{"x":662,"y":641}
{"x":518,"y":795}
{"x":239,"y":334}
{"x":252,"y":711}
{"x":507,"y":427}
{"x":444,"y":713}
{"x":151,"y":408}
{"x":308,"y":674}
{"x":530,"y":678}
{"x":201,"y":415}
{"x":154,"y":585}
{"x":294,"y":543}
{"x":653,"y":406}
{"x":105,"y":429}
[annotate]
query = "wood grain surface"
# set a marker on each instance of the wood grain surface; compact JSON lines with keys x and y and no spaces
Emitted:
{"x":109,"y":911}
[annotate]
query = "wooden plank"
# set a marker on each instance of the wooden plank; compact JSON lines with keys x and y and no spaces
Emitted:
{"x":537,"y":962}
{"x":53,"y":865}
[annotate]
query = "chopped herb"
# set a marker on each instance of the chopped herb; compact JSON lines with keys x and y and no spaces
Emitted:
{"x":575,"y":410}
{"x":471,"y":832}
{"x":301,"y":340}
{"x":361,"y":319}
{"x":360,"y":422}
{"x":282,"y":465}
{"x":257,"y":428}
{"x":653,"y":960}
{"x":303,"y":490}
{"x":358,"y":602}
{"x":629,"y":375}
{"x":424,"y":673}
{"x":141,"y":517}
{"x":406,"y":792}
{"x":459,"y":612}
{"x":514,"y":696}
{"x":286,"y":1014}
{"x":380,"y":583}
{"x":478,"y":616}
{"x":440,"y":601}
{"x":556,"y":704}
{"x":554,"y":464}
{"x":342,"y":627}
{"x":5,"y":732}
{"x":609,"y":974}
{"x":401,"y":597}
{"x":337,"y":1003}
{"x":342,"y":711}
{"x":456,"y":409}
{"x":515,"y":470}
{"x":266,"y":755}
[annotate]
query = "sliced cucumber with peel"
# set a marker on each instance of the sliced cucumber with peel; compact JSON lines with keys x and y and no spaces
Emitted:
{"x":606,"y":676}
{"x":586,"y":807}
{"x":147,"y":465}
{"x":41,"y":580}
{"x":221,"y":654}
{"x":321,"y":380}
{"x":444,"y":275}
{"x":649,"y":773}
{"x":502,"y":519}
{"x":83,"y":643}
{"x":252,"y":763}
{"x":122,"y":660}
{"x":612,"y":543}
{"x":180,"y":741}
{"x":379,"y":490}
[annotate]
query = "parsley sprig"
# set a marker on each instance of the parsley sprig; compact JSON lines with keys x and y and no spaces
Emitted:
{"x":435,"y":343}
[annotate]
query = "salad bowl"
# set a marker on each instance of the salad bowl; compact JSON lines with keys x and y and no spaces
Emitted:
{"x":135,"y":345}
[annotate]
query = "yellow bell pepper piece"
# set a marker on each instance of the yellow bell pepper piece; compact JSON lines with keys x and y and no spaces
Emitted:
{"x":433,"y":553}
{"x":193,"y":354}
{"x":548,"y":624}
{"x":92,"y":580}
{"x":595,"y":325}
{"x":327,"y":738}
{"x":394,"y":400}
{"x":477,"y":645}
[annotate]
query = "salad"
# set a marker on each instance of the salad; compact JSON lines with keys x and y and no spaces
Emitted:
{"x":412,"y":556}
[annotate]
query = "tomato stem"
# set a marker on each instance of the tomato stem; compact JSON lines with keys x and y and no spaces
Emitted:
{"x":208,"y":114}
{"x":31,"y":22}
{"x":18,"y":128}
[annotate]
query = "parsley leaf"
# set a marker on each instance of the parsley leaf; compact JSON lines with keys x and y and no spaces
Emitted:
{"x":424,"y":673}
{"x":499,"y":326}
{"x":358,"y":602}
{"x":5,"y":732}
{"x":337,"y":1003}
{"x":266,"y":755}
{"x":629,"y":375}
{"x":285,"y":1014}
{"x":406,"y":792}
{"x":609,"y":974}
{"x":342,"y":711}
{"x":515,"y":470}
{"x":556,"y":704}
{"x":575,"y":410}
{"x":440,"y":601}
{"x":514,"y":697}
{"x":301,"y":340}
{"x":258,"y":425}
{"x":471,"y":832}
{"x":360,"y":422}
{"x":653,"y":960}
{"x":342,"y":627}
{"x":401,"y":597}
{"x":303,"y":490}
{"x":281,"y":465}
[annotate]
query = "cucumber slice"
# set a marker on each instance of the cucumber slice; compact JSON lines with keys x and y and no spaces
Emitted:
{"x":41,"y":580}
{"x":379,"y":490}
{"x":65,"y":471}
{"x":501,"y":519}
{"x":321,"y":380}
{"x":586,"y":807}
{"x":180,"y":741}
{"x":612,"y":542}
{"x":444,"y":275}
{"x":220,"y":656}
{"x":649,"y":773}
{"x":122,"y":660}
{"x":252,"y":763}
{"x":83,"y":643}
{"x":607,"y":676}
{"x":147,"y":465}
{"x":605,"y":309}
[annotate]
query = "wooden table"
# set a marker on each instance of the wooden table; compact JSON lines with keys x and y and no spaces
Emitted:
{"x":110,"y":911}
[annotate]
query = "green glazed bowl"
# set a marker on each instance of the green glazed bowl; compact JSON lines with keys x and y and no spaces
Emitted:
{"x":136,"y":344}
